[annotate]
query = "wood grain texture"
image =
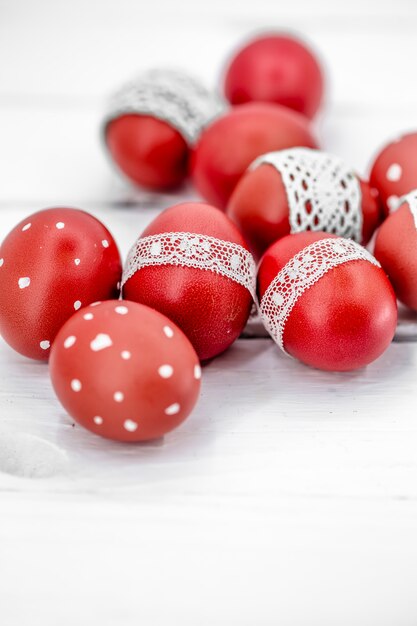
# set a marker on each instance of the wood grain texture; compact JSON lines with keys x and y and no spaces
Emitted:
{"x":290,"y":495}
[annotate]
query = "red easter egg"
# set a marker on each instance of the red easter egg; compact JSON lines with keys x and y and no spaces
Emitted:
{"x":300,"y":189}
{"x":124,"y":371}
{"x":325,"y":301}
{"x":278,"y":69}
{"x":51,"y":264}
{"x":192,"y":264}
{"x":149,"y":151}
{"x":152,"y":124}
{"x":393,"y":172}
{"x":396,"y":250}
{"x":232,"y":142}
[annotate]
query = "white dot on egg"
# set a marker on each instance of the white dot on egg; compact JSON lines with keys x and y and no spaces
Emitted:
{"x":394,"y":172}
{"x":173,"y":409}
{"x":197,"y":372}
{"x":101,"y":342}
{"x":105,"y":243}
{"x":60,"y":225}
{"x":121,"y":310}
{"x":1,"y":262}
{"x":130,"y":426}
{"x":69,"y":341}
{"x":98,"y":420}
{"x":392,"y":203}
{"x":88,"y":316}
{"x":76,"y":384}
{"x":126,"y":355}
{"x":26,"y":226}
{"x":45,"y":344}
{"x":165,"y":371}
{"x":118,"y":396}
{"x":24,"y":282}
{"x":77,"y":261}
{"x":168,"y":331}
{"x":77,"y":305}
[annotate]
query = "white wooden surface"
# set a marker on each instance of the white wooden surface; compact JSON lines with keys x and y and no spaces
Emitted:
{"x":290,"y":495}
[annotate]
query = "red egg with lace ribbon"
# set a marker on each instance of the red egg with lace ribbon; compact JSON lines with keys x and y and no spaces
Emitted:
{"x":300,"y":189}
{"x":193,"y":265}
{"x":326,"y":301}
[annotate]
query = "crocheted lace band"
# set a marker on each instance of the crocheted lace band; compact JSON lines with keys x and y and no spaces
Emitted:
{"x":171,"y":96}
{"x":193,"y":250}
{"x":299,"y":274}
{"x":322,"y":192}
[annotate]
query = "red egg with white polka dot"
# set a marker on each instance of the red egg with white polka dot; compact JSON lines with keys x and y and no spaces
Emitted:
{"x":125,"y":371}
{"x":396,"y":250}
{"x":193,"y":265}
{"x":51,"y":264}
{"x":393,"y":172}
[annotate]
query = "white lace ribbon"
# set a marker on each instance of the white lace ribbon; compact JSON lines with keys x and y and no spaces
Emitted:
{"x":299,"y":274}
{"x":193,"y":250}
{"x":169,"y":95}
{"x":411,"y":199}
{"x":322,"y":192}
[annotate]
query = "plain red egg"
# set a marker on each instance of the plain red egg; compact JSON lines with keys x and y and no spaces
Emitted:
{"x":148,"y":151}
{"x":393,"y":172}
{"x":344,"y":320}
{"x":51,"y":264}
{"x":210,"y":307}
{"x":124,"y":371}
{"x":233,"y":141}
{"x":275,"y":68}
{"x":260,"y":206}
{"x":396,"y":250}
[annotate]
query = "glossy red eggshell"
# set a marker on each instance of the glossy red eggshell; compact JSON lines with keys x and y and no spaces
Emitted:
{"x":211,"y":309}
{"x":345,"y":320}
{"x":278,"y":69}
{"x":124,"y":371}
{"x":52,"y":263}
{"x":228,"y":146}
{"x":396,"y":250}
{"x":148,"y":150}
{"x":394,"y":171}
{"x":259,"y":206}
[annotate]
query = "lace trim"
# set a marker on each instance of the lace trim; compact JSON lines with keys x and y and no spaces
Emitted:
{"x":299,"y":274}
{"x":411,"y":199}
{"x":322,"y":192}
{"x":193,"y":250}
{"x":171,"y":96}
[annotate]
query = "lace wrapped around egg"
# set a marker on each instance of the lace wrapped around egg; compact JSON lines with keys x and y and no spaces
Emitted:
{"x":171,"y":96}
{"x":322,"y":192}
{"x":196,"y":251}
{"x":299,"y":274}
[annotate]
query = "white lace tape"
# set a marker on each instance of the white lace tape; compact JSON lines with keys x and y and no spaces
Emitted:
{"x":193,"y":250}
{"x":411,"y":199}
{"x":322,"y":192}
{"x":169,"y":95}
{"x":299,"y":274}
